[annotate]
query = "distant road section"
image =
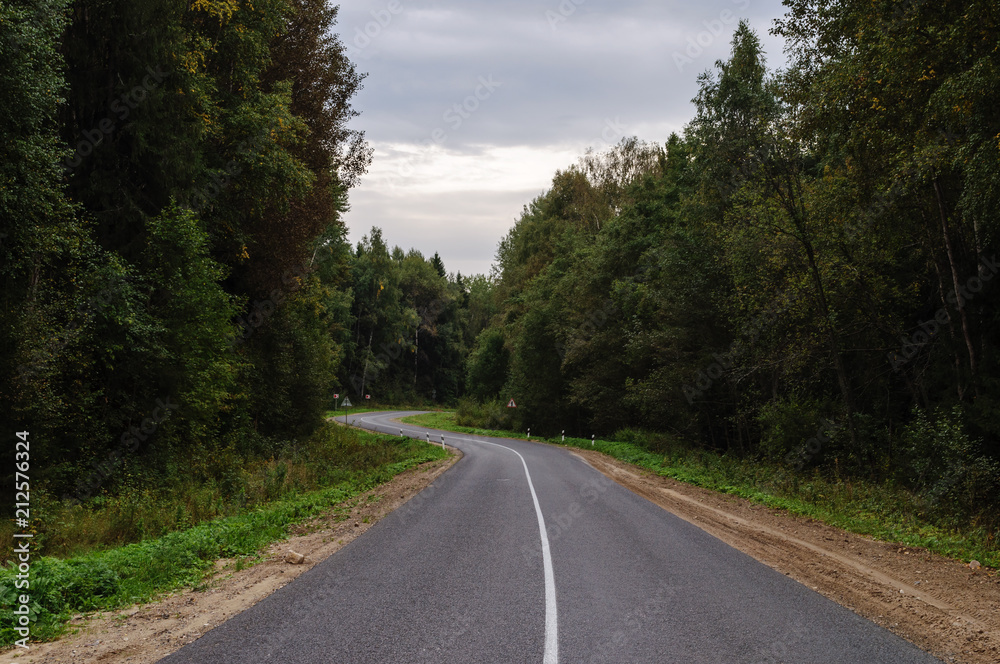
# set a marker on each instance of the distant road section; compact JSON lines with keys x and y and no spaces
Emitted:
{"x":524,"y":553}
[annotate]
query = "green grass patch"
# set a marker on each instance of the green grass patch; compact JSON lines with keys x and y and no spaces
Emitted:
{"x":106,"y":578}
{"x":446,"y":420}
{"x":882,"y":511}
{"x":358,"y":409}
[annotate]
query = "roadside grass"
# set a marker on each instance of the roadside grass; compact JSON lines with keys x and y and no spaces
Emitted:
{"x":883,"y":511}
{"x":357,"y":409}
{"x":338,"y":465}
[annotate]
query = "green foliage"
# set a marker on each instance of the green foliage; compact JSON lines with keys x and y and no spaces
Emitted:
{"x":785,"y":426}
{"x":487,"y":366}
{"x":945,"y":466}
{"x":194,"y":335}
{"x":487,"y":415}
{"x":410,"y":325}
{"x":781,"y":281}
{"x":116,"y":577}
{"x":657,"y":443}
{"x":197,"y":181}
{"x":807,"y":266}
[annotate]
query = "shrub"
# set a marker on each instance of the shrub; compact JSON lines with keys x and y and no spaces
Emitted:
{"x":488,"y":415}
{"x":945,"y":466}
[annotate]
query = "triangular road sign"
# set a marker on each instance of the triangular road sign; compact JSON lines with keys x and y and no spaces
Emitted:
{"x":512,"y":404}
{"x":346,"y":403}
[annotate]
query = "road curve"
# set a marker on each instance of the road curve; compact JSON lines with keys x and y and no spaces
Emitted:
{"x":522,"y":552}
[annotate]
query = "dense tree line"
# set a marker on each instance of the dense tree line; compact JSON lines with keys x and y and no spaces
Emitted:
{"x":807,"y":274}
{"x":177,"y":289}
{"x":412,"y":324}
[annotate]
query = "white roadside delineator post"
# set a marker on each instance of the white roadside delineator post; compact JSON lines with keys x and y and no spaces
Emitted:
{"x":564,"y":435}
{"x":592,"y":437}
{"x":442,"y":442}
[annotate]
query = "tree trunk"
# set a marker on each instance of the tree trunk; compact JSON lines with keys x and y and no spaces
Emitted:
{"x":962,"y":313}
{"x":797,"y":215}
{"x":944,"y":304}
{"x":364,"y":374}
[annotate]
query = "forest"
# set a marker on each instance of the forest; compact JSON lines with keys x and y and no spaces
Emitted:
{"x":805,"y":275}
{"x":178,"y":291}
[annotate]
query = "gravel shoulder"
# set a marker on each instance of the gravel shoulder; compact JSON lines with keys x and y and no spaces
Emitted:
{"x":936,"y":603}
{"x":147,"y":633}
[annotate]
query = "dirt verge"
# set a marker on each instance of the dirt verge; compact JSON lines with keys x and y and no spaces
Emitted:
{"x":939,"y":604}
{"x":147,"y":633}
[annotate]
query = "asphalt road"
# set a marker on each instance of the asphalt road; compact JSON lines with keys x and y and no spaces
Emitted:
{"x":466,"y":572}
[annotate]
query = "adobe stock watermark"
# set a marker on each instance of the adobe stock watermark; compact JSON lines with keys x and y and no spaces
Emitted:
{"x":128,"y":443}
{"x":635,"y":621}
{"x":412,"y":506}
{"x":562,"y":13}
{"x":462,"y":111}
{"x":392,"y":352}
{"x":714,"y":29}
{"x":560,"y":523}
{"x":598,"y":317}
{"x":800,"y":456}
{"x":363,"y":37}
{"x":705,"y":378}
{"x":121,"y":108}
{"x":202,"y":197}
{"x":929,"y":329}
{"x":901,"y":185}
{"x":789,"y":641}
{"x":92,"y":306}
{"x":593,"y":322}
{"x":292,"y":279}
{"x":612,"y":132}
{"x":454,"y":117}
{"x":445,"y":635}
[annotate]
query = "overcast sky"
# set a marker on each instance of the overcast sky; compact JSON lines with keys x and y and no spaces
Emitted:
{"x":472,"y":106}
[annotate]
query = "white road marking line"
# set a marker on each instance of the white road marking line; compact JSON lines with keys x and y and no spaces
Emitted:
{"x":551,"y":655}
{"x":551,"y":609}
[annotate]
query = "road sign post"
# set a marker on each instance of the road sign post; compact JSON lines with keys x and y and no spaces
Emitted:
{"x":346,"y":404}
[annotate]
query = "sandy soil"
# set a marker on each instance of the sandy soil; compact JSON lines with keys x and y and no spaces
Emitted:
{"x":939,"y":604}
{"x":143,"y":634}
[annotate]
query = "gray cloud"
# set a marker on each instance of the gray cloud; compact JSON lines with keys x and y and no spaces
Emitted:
{"x":463,"y":227}
{"x":563,"y":70}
